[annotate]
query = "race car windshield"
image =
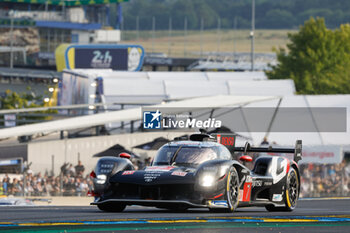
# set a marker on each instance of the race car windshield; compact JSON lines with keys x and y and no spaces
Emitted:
{"x":184,"y":155}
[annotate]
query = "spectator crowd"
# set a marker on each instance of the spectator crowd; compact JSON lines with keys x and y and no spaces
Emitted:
{"x":72,"y":181}
{"x":325,"y":180}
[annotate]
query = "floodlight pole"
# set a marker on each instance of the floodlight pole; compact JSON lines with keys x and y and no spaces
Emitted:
{"x":137,"y":28}
{"x":169,"y":36}
{"x":11,"y":43}
{"x":201,"y":37}
{"x":153,"y":32}
{"x":218,"y":36}
{"x":185,"y":37}
{"x":234,"y":35}
{"x":252,"y":34}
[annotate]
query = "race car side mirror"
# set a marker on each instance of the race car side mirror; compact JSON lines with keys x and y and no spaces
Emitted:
{"x":125,"y":155}
{"x":93,"y":174}
{"x":246,"y":158}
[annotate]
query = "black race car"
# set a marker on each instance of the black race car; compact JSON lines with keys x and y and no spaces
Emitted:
{"x":200,"y":172}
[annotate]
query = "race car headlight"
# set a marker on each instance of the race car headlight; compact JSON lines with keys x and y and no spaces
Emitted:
{"x":101,"y":179}
{"x":207,"y":180}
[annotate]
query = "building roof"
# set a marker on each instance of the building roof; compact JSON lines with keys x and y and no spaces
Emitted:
{"x":28,"y":73}
{"x":68,"y":25}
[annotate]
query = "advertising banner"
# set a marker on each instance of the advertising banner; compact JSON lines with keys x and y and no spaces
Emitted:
{"x":322,"y":154}
{"x":99,"y":56}
{"x":319,"y":155}
{"x":116,"y":59}
{"x":10,"y":120}
{"x":74,"y":90}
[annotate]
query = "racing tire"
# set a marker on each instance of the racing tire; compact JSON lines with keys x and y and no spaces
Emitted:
{"x":231,"y":192}
{"x":111,"y":207}
{"x":290,"y":195}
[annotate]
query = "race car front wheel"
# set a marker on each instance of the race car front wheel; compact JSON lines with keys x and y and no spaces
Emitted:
{"x":231,"y":192}
{"x":111,"y":207}
{"x":291,"y":193}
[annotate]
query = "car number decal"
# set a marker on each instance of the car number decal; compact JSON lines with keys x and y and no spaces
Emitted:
{"x":247,"y":189}
{"x":275,"y":166}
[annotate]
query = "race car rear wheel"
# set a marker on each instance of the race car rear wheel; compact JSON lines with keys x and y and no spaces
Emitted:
{"x":291,"y":193}
{"x":111,"y":207}
{"x":231,"y":192}
{"x":292,"y":190}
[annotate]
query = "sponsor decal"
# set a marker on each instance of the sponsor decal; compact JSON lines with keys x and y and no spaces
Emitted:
{"x":257,"y":183}
{"x":159,"y":168}
{"x":249,"y":179}
{"x":150,"y":176}
{"x":128,"y":173}
{"x":222,"y":204}
{"x":240,"y":195}
{"x":179,"y":173}
{"x":277,"y":197}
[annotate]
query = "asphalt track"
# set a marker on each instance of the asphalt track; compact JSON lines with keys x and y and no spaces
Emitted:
{"x":331,"y":215}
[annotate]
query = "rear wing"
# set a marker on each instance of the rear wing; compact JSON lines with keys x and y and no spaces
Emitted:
{"x":229,"y":140}
{"x":297,"y":150}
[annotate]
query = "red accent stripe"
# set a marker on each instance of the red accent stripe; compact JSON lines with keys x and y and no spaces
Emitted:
{"x":91,"y":193}
{"x":288,"y":165}
{"x":217,"y":196}
{"x":223,"y":177}
{"x":295,"y":164}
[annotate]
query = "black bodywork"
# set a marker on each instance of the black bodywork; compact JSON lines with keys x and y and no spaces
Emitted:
{"x":200,"y":173}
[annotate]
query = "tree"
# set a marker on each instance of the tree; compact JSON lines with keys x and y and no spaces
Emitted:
{"x":13,"y":100}
{"x":318,"y":59}
{"x":184,"y":9}
{"x":278,"y":19}
{"x":269,"y":13}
